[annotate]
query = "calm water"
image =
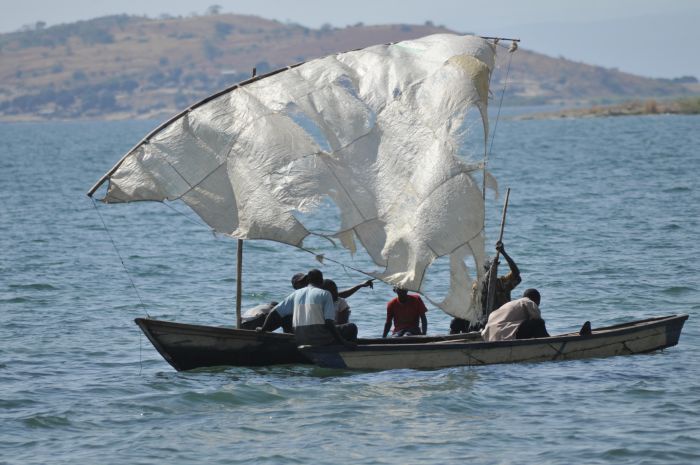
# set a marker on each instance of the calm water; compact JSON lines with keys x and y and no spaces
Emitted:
{"x":604,"y":220}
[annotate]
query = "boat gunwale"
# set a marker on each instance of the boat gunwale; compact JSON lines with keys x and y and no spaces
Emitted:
{"x":195,"y":328}
{"x":213,"y":331}
{"x":603,"y":332}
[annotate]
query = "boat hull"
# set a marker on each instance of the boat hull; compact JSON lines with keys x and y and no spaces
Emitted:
{"x":186,"y":346}
{"x":630,"y":338}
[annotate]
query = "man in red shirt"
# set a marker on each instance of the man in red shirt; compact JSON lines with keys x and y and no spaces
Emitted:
{"x":405,"y":310}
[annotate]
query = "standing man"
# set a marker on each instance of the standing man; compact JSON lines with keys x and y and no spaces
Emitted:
{"x":405,"y":311}
{"x":504,"y":285}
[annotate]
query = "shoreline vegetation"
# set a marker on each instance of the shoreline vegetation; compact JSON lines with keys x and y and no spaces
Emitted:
{"x":682,"y":106}
{"x":134,"y":67}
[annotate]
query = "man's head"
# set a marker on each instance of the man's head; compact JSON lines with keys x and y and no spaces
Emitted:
{"x":330,"y":286}
{"x":532,"y":294}
{"x":315,"y":277}
{"x":401,"y":293}
{"x":299,"y":280}
{"x":488,"y":266}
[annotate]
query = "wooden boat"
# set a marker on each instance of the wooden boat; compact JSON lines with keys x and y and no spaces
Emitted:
{"x":375,"y":139}
{"x":623,"y":339}
{"x":188,"y":346}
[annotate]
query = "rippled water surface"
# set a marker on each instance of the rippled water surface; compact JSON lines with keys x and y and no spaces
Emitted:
{"x":604,"y":220}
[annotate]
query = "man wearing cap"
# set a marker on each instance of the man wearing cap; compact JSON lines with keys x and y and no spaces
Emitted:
{"x":282,"y":317}
{"x":299,"y":280}
{"x":517,"y":319}
{"x":313,"y":313}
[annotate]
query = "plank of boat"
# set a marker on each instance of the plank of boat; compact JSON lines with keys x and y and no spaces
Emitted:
{"x":629,"y":338}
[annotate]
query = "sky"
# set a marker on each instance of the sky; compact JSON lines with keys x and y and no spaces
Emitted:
{"x":651,"y":38}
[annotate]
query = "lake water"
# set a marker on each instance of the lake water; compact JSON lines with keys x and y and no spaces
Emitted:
{"x":603,"y":219}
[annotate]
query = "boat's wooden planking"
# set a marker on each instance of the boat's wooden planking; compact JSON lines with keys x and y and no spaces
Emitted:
{"x":632,"y":338}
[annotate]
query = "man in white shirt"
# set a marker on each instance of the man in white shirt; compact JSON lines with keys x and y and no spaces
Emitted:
{"x":313,"y":312}
{"x":273,"y":318}
{"x":517,"y":319}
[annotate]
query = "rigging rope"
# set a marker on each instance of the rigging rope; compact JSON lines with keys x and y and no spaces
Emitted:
{"x":320,"y":257}
{"x":104,"y":224}
{"x":503,"y":92}
{"x":487,"y":151}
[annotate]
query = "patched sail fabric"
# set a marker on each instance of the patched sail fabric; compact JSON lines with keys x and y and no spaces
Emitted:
{"x":377,"y":131}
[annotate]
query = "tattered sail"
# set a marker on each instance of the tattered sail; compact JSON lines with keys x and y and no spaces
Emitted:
{"x":376,"y":131}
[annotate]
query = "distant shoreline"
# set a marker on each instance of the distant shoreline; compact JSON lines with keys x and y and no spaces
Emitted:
{"x":683,"y":106}
{"x":124,"y":67}
{"x":123,"y":116}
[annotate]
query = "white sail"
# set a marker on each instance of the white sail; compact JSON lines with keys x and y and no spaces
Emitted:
{"x":375,"y":130}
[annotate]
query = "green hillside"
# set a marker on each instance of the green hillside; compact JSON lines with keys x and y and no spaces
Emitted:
{"x":137,"y":67}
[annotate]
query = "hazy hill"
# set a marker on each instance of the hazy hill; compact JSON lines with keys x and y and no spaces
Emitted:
{"x":125,"y":66}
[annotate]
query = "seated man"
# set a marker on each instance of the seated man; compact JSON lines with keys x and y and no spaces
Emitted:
{"x":405,"y":311}
{"x":256,"y":316}
{"x":517,"y":319}
{"x":342,"y":309}
{"x":342,"y":312}
{"x":313,"y":313}
{"x":299,"y":280}
{"x":274,"y":318}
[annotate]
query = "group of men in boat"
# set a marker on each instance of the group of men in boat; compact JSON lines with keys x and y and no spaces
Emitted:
{"x":318,"y":314}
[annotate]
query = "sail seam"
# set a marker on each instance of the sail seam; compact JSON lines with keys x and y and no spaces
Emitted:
{"x":342,"y":186}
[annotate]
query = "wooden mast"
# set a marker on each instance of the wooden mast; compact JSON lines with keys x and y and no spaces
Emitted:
{"x":239,"y":269}
{"x":239,"y":284}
